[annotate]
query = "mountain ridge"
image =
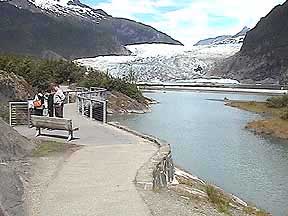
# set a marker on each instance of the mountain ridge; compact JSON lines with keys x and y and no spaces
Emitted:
{"x":263,"y":57}
{"x":225,"y":39}
{"x":69,"y":29}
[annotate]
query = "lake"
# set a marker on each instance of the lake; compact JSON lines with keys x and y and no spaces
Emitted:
{"x":209,"y":140}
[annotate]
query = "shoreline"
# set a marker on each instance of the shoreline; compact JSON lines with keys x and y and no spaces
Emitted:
{"x":188,"y":186}
{"x":268,"y":92}
{"x":271,"y":123}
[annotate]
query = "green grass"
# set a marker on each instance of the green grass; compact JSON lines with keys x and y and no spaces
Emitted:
{"x":275,"y":125}
{"x":253,"y":211}
{"x":218,"y":199}
{"x":46,"y":148}
{"x":258,"y":107}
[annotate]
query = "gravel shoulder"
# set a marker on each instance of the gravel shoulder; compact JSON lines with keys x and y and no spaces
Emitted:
{"x":42,"y":170}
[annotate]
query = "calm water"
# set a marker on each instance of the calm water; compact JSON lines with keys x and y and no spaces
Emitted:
{"x":209,"y":140}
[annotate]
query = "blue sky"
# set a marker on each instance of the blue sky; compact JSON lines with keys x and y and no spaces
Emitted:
{"x":190,"y":20}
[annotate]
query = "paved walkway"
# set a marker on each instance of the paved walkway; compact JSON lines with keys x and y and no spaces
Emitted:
{"x":98,"y":179}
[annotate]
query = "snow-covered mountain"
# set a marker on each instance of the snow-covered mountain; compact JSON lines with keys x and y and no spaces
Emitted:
{"x":225,"y":39}
{"x":69,"y":29}
{"x":162,"y":62}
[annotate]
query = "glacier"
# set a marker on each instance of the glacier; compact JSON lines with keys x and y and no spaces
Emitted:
{"x":164,"y":62}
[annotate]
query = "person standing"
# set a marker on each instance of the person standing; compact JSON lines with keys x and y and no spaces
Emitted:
{"x":50,"y":100}
{"x":58,"y":101}
{"x":38,"y":104}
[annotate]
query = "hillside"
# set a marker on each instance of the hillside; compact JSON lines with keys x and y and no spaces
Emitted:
{"x":264,"y":55}
{"x":68,"y":29}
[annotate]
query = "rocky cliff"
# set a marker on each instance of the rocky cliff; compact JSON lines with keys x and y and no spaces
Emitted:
{"x":264,"y":54}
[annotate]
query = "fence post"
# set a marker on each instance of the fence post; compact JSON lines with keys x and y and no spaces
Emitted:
{"x":28,"y":114}
{"x":91,"y":109}
{"x":83,"y":107}
{"x":68,"y":99}
{"x":10,"y":113}
{"x":104,"y":111}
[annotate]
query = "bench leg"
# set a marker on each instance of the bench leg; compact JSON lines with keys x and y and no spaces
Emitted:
{"x":70,"y":137}
{"x":38,"y":133}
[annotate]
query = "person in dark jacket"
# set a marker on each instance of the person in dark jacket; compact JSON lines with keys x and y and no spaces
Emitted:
{"x":50,"y":105}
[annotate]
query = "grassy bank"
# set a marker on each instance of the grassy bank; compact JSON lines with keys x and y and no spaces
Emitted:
{"x":275,"y":113}
{"x":203,"y":193}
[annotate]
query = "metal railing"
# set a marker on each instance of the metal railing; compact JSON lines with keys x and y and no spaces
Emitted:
{"x":19,"y":113}
{"x":92,"y":103}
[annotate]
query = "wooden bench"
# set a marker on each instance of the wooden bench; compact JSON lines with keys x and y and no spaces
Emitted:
{"x":53,"y":123}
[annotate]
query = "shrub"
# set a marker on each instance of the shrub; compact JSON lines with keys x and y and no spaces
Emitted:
{"x":284,"y":114}
{"x":104,"y":80}
{"x":39,"y":73}
{"x":218,"y":199}
{"x":278,"y":101}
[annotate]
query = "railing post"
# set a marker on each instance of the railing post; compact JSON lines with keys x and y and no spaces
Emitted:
{"x":78,"y":103}
{"x":28,"y":114}
{"x":68,"y":99}
{"x":91,"y":109}
{"x":104,"y":111}
{"x":89,"y":96}
{"x":83,"y":107}
{"x":10,"y":113}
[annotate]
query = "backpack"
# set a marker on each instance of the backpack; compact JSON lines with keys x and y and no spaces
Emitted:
{"x":37,"y":103}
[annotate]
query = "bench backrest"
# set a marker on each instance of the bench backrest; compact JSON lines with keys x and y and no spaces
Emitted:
{"x":51,"y":122}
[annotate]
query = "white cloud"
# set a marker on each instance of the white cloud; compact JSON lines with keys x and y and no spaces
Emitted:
{"x":192,"y":20}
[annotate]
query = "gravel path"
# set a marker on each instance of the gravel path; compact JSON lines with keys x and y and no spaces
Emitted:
{"x":99,"y":178}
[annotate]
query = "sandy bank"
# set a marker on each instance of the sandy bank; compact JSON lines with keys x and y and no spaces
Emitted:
{"x":271,"y":125}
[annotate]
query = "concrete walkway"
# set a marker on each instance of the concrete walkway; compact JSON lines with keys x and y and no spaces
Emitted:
{"x":98,"y":179}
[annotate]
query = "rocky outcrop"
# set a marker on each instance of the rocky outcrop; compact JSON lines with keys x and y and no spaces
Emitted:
{"x":11,"y":192}
{"x":13,"y":87}
{"x":13,"y":147}
{"x":119,"y":103}
{"x":12,"y":144}
{"x":263,"y":56}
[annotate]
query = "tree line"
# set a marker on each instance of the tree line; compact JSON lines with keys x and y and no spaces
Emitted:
{"x":39,"y":73}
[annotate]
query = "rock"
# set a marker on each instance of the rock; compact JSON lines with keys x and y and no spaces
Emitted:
{"x":12,"y":144}
{"x":13,"y":147}
{"x":121,"y":103}
{"x":13,"y":87}
{"x":11,"y":192}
